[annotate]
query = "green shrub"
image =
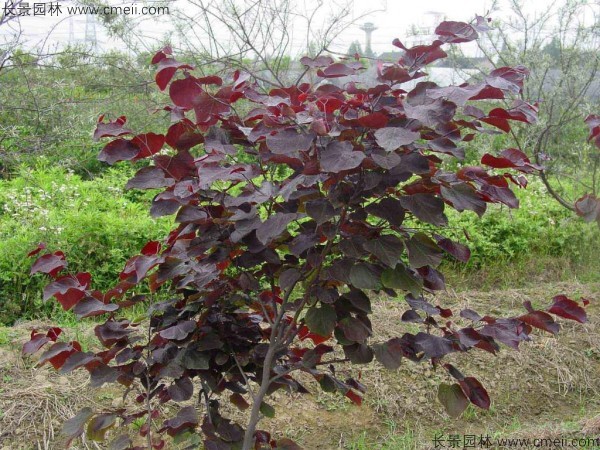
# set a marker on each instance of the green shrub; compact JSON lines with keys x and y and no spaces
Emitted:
{"x":97,"y":223}
{"x":540,"y":231}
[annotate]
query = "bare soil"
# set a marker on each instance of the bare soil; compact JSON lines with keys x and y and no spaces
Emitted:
{"x":549,"y":388}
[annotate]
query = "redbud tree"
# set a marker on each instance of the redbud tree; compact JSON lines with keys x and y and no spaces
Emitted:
{"x":291,"y":218}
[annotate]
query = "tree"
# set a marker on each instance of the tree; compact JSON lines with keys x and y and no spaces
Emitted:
{"x":355,"y":49}
{"x":288,"y":218}
{"x":559,"y":45}
{"x":9,"y":19}
{"x":258,"y":36}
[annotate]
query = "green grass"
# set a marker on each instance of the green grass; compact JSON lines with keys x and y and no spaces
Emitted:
{"x":94,"y":222}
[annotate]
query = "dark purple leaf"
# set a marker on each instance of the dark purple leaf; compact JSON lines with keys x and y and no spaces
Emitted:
{"x":393,"y":138}
{"x":463,"y":197}
{"x":74,"y":427}
{"x":288,"y":278}
{"x":387,"y":248}
{"x":364,"y":276}
{"x":36,"y":342}
{"x":470,"y":315}
{"x":569,"y":309}
{"x":541,"y":320}
{"x":426,"y":207}
{"x":459,"y":251}
{"x":111,"y":129}
{"x":190,"y":214}
{"x":76,"y":360}
{"x":274,"y":226}
{"x":290,"y":142}
{"x":150,"y":177}
{"x":411,"y":315}
{"x":58,"y":353}
{"x":419,"y":56}
{"x":90,"y":306}
{"x":508,"y":331}
{"x":149,"y":144}
{"x":354,"y":329}
{"x":501,"y":194}
{"x":476,"y":393}
{"x":453,"y":399}
{"x":389,"y":209}
{"x":166,"y":69}
{"x":358,"y":353}
{"x":102,"y":374}
{"x":401,"y":278}
{"x":303,"y":242}
{"x":446,"y":146}
{"x":510,"y":158}
{"x":185,"y":92}
{"x":321,"y":320}
{"x":118,"y":150}
{"x":179,"y":331}
{"x":456,"y":32}
{"x":389,"y":353}
{"x":183,"y":135}
{"x":422,"y":251}
{"x":181,"y":390}
{"x":111,"y":332}
{"x":359,"y":300}
{"x":320,"y":210}
{"x":420,"y":304}
{"x":186,"y":418}
{"x":336,"y":70}
{"x":433,"y":346}
{"x":50,"y":264}
{"x":433,"y":114}
{"x":339,"y":156}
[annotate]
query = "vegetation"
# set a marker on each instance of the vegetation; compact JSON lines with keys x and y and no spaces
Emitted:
{"x":228,"y":303}
{"x":98,"y":223}
{"x":559,"y":47}
{"x":265,"y":259}
{"x":48,"y":105}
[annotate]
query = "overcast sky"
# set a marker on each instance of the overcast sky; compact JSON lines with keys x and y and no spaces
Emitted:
{"x":393,"y":18}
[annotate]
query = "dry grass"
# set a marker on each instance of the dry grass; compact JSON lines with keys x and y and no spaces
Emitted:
{"x":35,"y":402}
{"x":550,"y":388}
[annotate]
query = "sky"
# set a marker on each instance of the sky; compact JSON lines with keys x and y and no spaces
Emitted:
{"x":392,"y":18}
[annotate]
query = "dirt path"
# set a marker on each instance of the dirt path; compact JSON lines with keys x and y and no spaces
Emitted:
{"x":548,"y":389}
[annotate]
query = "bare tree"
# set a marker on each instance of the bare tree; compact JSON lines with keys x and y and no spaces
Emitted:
{"x":10,"y":31}
{"x":262,"y":36}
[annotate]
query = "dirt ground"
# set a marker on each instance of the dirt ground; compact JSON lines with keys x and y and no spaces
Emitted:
{"x":550,"y":388}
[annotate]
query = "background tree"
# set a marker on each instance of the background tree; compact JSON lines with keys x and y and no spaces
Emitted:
{"x":355,"y":48}
{"x":257,"y":36}
{"x":560,"y":46}
{"x":9,"y":19}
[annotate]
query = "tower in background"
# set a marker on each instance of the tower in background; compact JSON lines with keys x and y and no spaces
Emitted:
{"x":368,"y":28}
